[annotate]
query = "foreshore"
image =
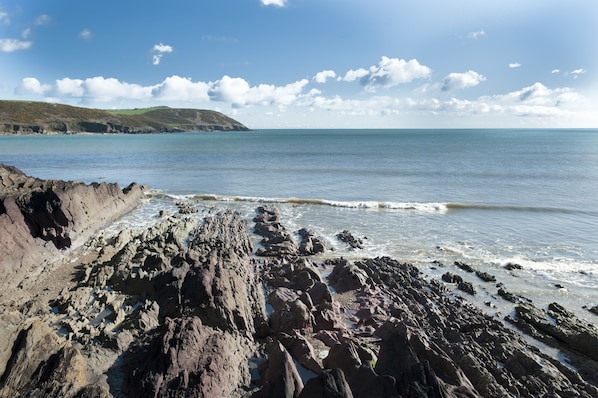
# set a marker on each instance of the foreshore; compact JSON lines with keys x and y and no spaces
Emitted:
{"x":192,"y":307}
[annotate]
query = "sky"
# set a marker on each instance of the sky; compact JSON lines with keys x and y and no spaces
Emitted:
{"x":312,"y":63}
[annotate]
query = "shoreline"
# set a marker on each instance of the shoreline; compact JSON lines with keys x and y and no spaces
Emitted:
{"x":268,"y":314}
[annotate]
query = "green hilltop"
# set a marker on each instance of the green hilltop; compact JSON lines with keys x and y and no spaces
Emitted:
{"x":25,"y":117}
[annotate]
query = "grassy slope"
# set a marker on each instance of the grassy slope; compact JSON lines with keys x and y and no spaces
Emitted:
{"x":156,"y":119}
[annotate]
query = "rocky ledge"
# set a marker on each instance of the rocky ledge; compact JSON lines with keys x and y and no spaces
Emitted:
{"x":41,"y":220}
{"x":190,"y":308}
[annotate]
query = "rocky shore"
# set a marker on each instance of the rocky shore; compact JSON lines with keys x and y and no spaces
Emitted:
{"x":206,"y":303}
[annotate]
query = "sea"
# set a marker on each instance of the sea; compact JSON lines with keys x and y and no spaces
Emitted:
{"x":431,"y":197}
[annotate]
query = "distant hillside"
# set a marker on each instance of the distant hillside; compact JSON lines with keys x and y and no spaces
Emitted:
{"x":22,"y":117}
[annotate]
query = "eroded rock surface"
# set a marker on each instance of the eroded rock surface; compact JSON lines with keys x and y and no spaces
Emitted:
{"x":190,"y":308}
{"x":39,"y":219}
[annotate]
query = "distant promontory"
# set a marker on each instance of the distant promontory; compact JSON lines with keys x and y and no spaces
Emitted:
{"x":25,"y":117}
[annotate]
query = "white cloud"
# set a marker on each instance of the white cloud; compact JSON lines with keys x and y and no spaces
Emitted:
{"x":321,"y":77}
{"x":234,"y":91}
{"x":30,"y":85}
{"x":390,"y":72}
{"x":163,"y":48}
{"x":277,"y":3}
{"x":159,"y":51}
{"x":456,"y":81}
{"x":26,"y":33}
{"x":42,"y":20}
{"x":353,"y":75}
{"x":576,"y":73}
{"x":85,"y":34}
{"x":238,"y":92}
{"x":69,"y":87}
{"x":176,"y":88}
{"x":514,"y":65}
{"x":476,"y":35}
{"x":555,"y":71}
{"x":10,"y":45}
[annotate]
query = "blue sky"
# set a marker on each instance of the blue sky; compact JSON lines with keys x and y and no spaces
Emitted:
{"x":312,"y":63}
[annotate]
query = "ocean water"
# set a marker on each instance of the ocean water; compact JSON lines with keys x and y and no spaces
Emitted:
{"x":430,"y":197}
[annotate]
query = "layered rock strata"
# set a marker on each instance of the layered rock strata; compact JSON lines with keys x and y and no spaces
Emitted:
{"x":190,"y":308}
{"x":41,"y":219}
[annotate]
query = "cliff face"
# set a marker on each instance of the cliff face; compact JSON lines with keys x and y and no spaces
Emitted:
{"x":44,"y":118}
{"x":41,"y":219}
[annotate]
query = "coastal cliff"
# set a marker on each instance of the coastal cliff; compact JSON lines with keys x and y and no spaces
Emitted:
{"x":206,"y":303}
{"x":22,"y":117}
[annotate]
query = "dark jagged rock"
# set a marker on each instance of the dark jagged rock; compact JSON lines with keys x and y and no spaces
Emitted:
{"x":594,"y":310}
{"x":277,"y":241}
{"x":280,"y":377}
{"x":563,"y":326}
{"x":467,"y":287}
{"x":311,"y":244}
{"x":330,"y":384}
{"x":451,"y":278}
{"x":510,"y":296}
{"x":513,"y":266}
{"x":464,"y":267}
{"x":187,"y":356}
{"x":486,"y":277}
{"x":348,"y":238}
{"x":347,"y":276}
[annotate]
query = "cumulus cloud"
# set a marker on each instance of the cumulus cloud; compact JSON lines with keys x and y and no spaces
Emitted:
{"x":476,"y":35}
{"x":555,"y":71}
{"x":457,"y":81}
{"x":277,"y":3}
{"x":85,"y":34}
{"x":176,"y":88}
{"x":10,"y":45}
{"x":238,"y":92}
{"x":390,"y":72}
{"x":233,"y":90}
{"x":356,"y":74}
{"x":159,"y":50}
{"x":514,"y":65}
{"x":30,"y":85}
{"x":321,"y":77}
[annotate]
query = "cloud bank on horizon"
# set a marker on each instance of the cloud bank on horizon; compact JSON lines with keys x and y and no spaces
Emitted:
{"x":282,"y":63}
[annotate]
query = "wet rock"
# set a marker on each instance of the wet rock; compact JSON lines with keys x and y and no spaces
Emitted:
{"x":348,"y":238}
{"x":451,"y":278}
{"x":562,"y":325}
{"x":467,"y":287}
{"x":513,"y":298}
{"x":464,"y":267}
{"x":594,"y":310}
{"x":512,"y":266}
{"x":311,"y":244}
{"x":486,"y":277}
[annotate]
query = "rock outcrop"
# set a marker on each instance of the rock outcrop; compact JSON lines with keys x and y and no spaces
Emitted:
{"x":189,"y":307}
{"x":40,"y":219}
